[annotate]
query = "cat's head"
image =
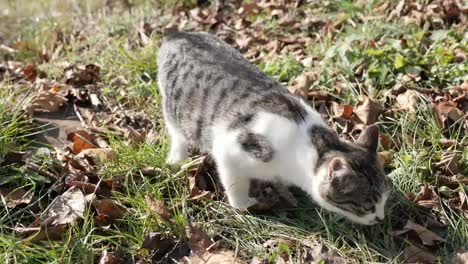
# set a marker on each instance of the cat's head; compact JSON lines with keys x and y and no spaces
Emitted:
{"x":352,"y":180}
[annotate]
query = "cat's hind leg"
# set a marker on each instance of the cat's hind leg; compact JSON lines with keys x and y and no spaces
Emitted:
{"x":178,"y":151}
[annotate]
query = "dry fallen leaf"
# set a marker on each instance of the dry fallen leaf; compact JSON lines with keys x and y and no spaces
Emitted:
{"x":427,"y":198}
{"x":449,"y":163}
{"x":385,"y":141}
{"x":447,"y":110}
{"x":302,"y":84}
{"x":109,"y":208}
{"x":157,"y":241}
{"x":47,"y":101}
{"x":158,"y":207}
{"x":98,"y":155}
{"x":48,"y":232}
{"x":14,"y":197}
{"x":30,"y":72}
{"x":426,"y":236}
{"x":451,"y":180}
{"x":202,"y":250}
{"x":409,"y":100}
{"x":385,"y":158}
{"x":367,"y":110}
{"x":460,"y":202}
{"x":343,"y":111}
{"x":81,"y":140}
{"x":79,"y":75}
{"x":447,"y":143}
{"x":66,"y":208}
{"x":201,"y":181}
{"x":413,"y":254}
{"x":12,"y":157}
{"x":118,"y":81}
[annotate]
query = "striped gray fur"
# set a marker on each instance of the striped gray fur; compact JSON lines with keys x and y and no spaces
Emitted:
{"x":206,"y":80}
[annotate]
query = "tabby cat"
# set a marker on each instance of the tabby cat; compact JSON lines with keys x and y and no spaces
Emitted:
{"x":214,"y":100}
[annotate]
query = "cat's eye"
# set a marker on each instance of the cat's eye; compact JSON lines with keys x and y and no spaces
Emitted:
{"x":370,"y":208}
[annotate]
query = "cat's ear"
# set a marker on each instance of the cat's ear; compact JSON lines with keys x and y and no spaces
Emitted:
{"x":369,"y":138}
{"x":338,"y":167}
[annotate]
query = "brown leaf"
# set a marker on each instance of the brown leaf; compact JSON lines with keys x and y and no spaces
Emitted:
{"x":63,"y":211}
{"x":451,"y":180}
{"x":385,"y":141}
{"x":13,"y":157}
{"x":109,"y":207}
{"x":427,"y":237}
{"x":243,"y":41}
{"x":385,"y":158}
{"x":460,"y":202}
{"x":82,"y":75}
{"x":302,"y":84}
{"x":413,"y":254}
{"x":382,"y":7}
{"x":103,"y":220}
{"x":203,"y":195}
{"x":409,"y":100}
{"x":156,"y":241}
{"x":99,"y":155}
{"x":199,"y":241}
{"x":47,"y":232}
{"x":89,"y":188}
{"x":158,"y":207}
{"x":248,"y":8}
{"x":448,"y":110}
{"x":449,"y":162}
{"x":343,"y":111}
{"x":14,"y":197}
{"x":202,"y":250}
{"x":66,"y":208}
{"x":447,"y":143}
{"x":47,"y":101}
{"x":30,"y":72}
{"x":427,"y":198}
{"x":81,"y":140}
{"x":319,"y":95}
{"x":201,"y":181}
{"x":118,"y":81}
{"x":367,"y":110}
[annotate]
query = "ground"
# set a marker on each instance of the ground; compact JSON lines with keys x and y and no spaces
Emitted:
{"x":82,"y":142}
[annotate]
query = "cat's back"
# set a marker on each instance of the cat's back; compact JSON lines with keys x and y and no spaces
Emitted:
{"x":209,"y":54}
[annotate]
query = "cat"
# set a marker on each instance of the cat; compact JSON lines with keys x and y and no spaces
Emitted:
{"x":214,"y":100}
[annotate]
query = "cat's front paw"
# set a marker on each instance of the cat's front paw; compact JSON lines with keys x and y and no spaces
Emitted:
{"x":243,"y":203}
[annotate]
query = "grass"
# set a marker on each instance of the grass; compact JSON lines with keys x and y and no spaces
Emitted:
{"x":375,"y":47}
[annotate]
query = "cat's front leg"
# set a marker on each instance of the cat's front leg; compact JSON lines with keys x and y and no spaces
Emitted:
{"x":236,"y":186}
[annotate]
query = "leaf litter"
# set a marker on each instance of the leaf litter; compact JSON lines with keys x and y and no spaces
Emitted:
{"x":80,"y":88}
